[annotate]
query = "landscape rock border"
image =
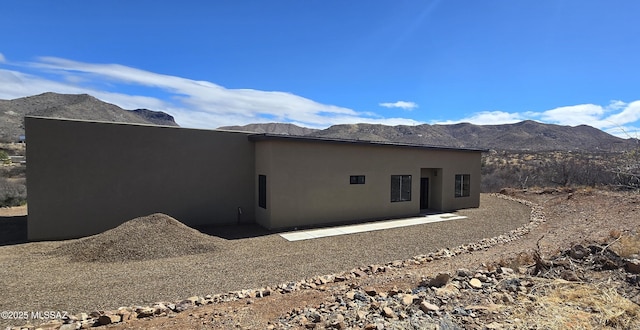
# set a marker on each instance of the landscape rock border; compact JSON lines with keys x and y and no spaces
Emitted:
{"x":124,"y":314}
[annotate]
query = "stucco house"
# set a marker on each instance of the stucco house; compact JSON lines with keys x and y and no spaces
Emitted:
{"x":86,"y":177}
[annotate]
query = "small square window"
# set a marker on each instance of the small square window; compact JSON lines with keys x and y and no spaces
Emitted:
{"x":356,"y":179}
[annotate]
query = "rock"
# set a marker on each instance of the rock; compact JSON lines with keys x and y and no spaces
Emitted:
{"x":632,"y":266}
{"x":159,"y":308}
{"x":108,"y":319}
{"x":505,"y":270}
{"x":371,"y":291}
{"x":359,"y":273}
{"x":447,"y":291}
{"x":126,"y":314}
{"x":144,"y":311}
{"x":314,"y":316}
{"x":88,"y":324}
{"x":475,"y":283}
{"x":69,"y":326}
{"x":361,"y":297}
{"x":407,"y":299}
{"x":350,"y":295}
{"x":182,"y":306}
{"x":428,"y":307}
{"x":388,"y":312}
{"x":494,"y":326}
{"x":336,"y":321}
{"x":440,"y":280}
{"x":195,"y":300}
{"x":569,"y":275}
{"x":579,"y":252}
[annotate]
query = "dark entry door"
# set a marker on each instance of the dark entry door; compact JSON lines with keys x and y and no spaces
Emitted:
{"x":424,"y":193}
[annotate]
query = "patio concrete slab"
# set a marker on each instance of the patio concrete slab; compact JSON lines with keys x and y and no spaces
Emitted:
{"x":365,"y":227}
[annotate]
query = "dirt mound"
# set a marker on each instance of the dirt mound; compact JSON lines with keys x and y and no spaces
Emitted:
{"x":150,"y":237}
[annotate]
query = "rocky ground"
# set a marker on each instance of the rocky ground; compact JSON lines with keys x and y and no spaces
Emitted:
{"x":574,"y":266}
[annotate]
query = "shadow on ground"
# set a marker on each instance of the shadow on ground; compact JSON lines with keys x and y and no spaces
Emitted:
{"x":13,"y":230}
{"x":249,"y":230}
{"x":232,"y":232}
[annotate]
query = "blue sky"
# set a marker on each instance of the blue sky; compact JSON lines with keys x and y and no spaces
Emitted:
{"x":319,"y":63}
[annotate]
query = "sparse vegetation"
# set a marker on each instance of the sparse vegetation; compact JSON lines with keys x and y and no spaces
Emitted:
{"x":569,"y":305}
{"x":524,"y":170}
{"x":13,"y":192}
{"x":4,"y":158}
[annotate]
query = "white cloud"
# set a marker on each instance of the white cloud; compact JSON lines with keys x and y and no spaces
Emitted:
{"x":2,"y":58}
{"x":399,"y":104}
{"x":574,"y":115}
{"x":617,"y":118}
{"x":193,"y":103}
{"x":487,"y":118}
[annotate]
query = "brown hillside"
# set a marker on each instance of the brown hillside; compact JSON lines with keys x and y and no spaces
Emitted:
{"x":81,"y":106}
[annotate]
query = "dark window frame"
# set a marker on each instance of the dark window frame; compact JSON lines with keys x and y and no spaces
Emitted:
{"x":357,"y":179}
{"x":462,"y":185}
{"x":262,"y":191}
{"x":401,"y":188}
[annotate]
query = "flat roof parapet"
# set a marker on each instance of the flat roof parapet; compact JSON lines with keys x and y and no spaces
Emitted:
{"x":269,"y":136}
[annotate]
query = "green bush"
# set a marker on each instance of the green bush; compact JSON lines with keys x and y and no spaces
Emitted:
{"x":4,"y":158}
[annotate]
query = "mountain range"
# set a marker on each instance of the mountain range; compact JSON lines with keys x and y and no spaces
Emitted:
{"x":523,"y":136}
{"x":526,"y":135}
{"x":80,"y":106}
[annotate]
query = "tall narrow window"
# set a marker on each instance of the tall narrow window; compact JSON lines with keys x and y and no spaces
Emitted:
{"x":400,"y":188}
{"x":262,"y":191}
{"x":463,"y":185}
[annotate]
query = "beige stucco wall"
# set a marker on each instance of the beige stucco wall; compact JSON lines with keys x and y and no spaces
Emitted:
{"x":87,"y":177}
{"x":308,"y":181}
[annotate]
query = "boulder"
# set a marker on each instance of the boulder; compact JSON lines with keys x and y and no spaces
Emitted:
{"x":475,"y":283}
{"x":440,"y":280}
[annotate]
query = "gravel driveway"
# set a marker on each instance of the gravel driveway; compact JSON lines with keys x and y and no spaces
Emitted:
{"x":34,"y":280}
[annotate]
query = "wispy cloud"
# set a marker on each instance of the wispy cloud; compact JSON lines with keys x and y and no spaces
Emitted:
{"x":617,"y":118}
{"x":399,"y":104}
{"x":2,"y":59}
{"x":193,"y":103}
{"x":488,"y":118}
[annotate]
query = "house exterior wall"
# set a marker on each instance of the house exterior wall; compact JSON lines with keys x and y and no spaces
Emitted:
{"x":308,"y":181}
{"x":87,"y":177}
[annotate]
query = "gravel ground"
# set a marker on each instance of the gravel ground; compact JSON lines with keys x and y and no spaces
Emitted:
{"x":34,"y":279}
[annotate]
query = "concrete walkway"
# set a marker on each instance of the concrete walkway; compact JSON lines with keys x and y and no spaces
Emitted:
{"x":371,"y":226}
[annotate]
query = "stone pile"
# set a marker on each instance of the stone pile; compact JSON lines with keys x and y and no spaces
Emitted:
{"x":479,"y":299}
{"x":417,"y":309}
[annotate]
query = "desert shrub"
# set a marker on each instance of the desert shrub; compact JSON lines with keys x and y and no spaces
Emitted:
{"x":12,"y":192}
{"x":4,"y":158}
{"x":556,"y":169}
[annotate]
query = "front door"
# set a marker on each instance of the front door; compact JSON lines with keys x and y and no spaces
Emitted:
{"x":424,"y":193}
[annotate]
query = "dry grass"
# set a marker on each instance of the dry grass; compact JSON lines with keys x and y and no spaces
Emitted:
{"x":569,"y":305}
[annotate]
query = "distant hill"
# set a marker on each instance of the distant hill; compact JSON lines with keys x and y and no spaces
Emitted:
{"x":272,"y":128}
{"x":523,"y":136}
{"x":71,"y":106}
{"x":526,"y":135}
